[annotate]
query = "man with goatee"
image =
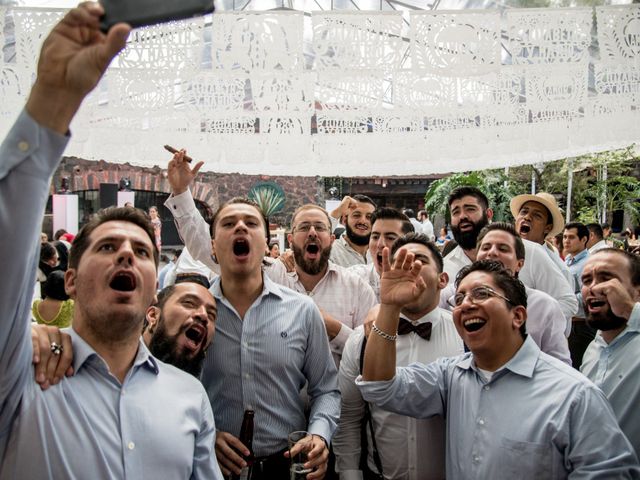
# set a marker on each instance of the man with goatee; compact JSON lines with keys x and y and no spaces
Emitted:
{"x":352,"y":247}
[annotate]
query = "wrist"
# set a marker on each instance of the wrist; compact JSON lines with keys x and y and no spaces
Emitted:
{"x":53,"y":108}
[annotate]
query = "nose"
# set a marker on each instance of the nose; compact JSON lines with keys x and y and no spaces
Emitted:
{"x":125,"y":254}
{"x":200,"y":313}
{"x":241,"y":226}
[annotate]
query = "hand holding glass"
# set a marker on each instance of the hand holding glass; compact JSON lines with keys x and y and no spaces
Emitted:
{"x":300,"y":444}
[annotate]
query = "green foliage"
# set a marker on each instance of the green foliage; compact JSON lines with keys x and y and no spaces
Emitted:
{"x":495,"y":184}
{"x":269,"y":196}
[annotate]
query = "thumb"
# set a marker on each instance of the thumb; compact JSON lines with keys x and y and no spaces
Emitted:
{"x":116,"y":41}
{"x":196,"y":169}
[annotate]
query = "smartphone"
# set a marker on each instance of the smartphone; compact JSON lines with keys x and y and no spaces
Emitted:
{"x":138,"y":13}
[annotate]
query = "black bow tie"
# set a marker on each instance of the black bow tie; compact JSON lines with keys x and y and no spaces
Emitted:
{"x":422,"y":329}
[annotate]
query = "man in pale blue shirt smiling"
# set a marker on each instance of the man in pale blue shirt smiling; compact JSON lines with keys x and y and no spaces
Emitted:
{"x":123,"y":414}
{"x":511,"y":410}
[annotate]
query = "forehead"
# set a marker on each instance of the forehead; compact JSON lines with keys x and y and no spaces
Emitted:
{"x":364,"y":207}
{"x":120,"y":229}
{"x":534,"y":206}
{"x":312,"y":215}
{"x":419,"y":249}
{"x":499,"y":236}
{"x":388,"y":225}
{"x":571,"y":231}
{"x":239,"y":210}
{"x":195,"y":289}
{"x":476,"y":279}
{"x":608,"y":262}
{"x":465,"y":201}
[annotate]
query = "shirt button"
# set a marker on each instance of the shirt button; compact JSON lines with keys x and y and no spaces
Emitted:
{"x":131,"y":445}
{"x":487,"y":387}
{"x":476,"y":458}
{"x":23,"y":146}
{"x":481,"y":421}
{"x":246,"y":375}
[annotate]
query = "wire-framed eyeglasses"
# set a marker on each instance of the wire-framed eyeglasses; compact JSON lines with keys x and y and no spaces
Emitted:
{"x":305,"y":227}
{"x":476,"y":295}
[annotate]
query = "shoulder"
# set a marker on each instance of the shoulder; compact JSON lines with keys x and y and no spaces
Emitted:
{"x":347,"y":275}
{"x":179,"y":380}
{"x":567,"y":378}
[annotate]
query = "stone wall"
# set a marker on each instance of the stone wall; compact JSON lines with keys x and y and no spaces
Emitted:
{"x":210,"y":188}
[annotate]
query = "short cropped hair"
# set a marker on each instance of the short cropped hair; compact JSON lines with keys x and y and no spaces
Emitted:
{"x":583,"y":231}
{"x":466,"y":191}
{"x":505,"y":227}
{"x":240,"y":200}
{"x":596,"y":229}
{"x":388,"y":213}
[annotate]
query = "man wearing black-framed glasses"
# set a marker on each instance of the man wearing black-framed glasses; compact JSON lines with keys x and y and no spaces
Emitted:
{"x":511,"y":410}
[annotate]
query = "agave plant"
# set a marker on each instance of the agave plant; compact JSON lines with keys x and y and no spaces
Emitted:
{"x":269,"y":196}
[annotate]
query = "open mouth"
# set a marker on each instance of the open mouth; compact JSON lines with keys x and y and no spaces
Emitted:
{"x":379,"y":258}
{"x":195,"y":334}
{"x":362,"y":226}
{"x":473,"y":324}
{"x":241,"y":247}
{"x":123,"y":282}
{"x":465,"y":226}
{"x":596,"y":303}
{"x":312,"y":249}
{"x":524,"y":228}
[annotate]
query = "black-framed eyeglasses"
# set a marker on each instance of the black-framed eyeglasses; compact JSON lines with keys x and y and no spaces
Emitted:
{"x":305,"y":227}
{"x":477,"y":295}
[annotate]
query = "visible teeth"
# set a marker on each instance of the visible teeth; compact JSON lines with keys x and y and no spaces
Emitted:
{"x":473,"y":320}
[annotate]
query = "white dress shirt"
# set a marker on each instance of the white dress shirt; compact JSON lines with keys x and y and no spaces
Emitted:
{"x":598,"y":246}
{"x":538,"y":272}
{"x":368,"y":272}
{"x":559,"y":262}
{"x":410,"y":449}
{"x":340,"y":293}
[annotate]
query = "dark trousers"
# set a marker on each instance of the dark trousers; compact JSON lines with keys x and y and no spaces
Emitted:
{"x":273,"y":467}
{"x":580,"y":338}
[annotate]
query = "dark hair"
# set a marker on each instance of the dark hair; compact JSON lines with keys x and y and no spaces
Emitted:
{"x":409,"y":213}
{"x":448,"y":247}
{"x":605,"y":225}
{"x":596,"y":229}
{"x":505,"y":227}
{"x":421,"y":239}
{"x":47,"y":251}
{"x":364,"y":199}
{"x":388,"y":213}
{"x":192,"y":277}
{"x":466,"y":191}
{"x":632,"y":260}
{"x":164,"y":295}
{"x":53,"y":286}
{"x":110,"y":214}
{"x":583,"y":231}
{"x":59,"y":233}
{"x":244,"y":201}
{"x":305,"y":208}
{"x":513,"y":288}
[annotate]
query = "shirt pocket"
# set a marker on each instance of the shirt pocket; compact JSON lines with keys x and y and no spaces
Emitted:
{"x":531,"y":460}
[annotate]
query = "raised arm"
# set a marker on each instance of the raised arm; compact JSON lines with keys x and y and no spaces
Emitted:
{"x":73,"y":58}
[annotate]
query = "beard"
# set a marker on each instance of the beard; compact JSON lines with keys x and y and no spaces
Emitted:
{"x":311,"y":267}
{"x":165,"y":348}
{"x":467,"y":240}
{"x":356,"y":238}
{"x":604,"y":321}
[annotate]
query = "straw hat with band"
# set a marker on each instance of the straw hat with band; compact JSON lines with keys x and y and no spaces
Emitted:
{"x":543,"y":198}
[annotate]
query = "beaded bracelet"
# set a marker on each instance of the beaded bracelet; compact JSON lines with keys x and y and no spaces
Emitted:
{"x":384,"y":335}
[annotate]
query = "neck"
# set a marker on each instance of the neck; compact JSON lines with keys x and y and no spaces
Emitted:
{"x":492,"y":361}
{"x":309,"y":282}
{"x":118,"y":354}
{"x":472,"y":254}
{"x":361,"y":249}
{"x":413,"y":316}
{"x":242,"y":291}
{"x":610,"y":335}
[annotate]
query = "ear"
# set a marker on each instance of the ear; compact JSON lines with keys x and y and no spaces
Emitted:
{"x":213,"y":250}
{"x":547,"y":229}
{"x":153,"y":316}
{"x":519,"y":316}
{"x":443,"y":280}
{"x":520,"y":264}
{"x":490,"y":213}
{"x":70,"y":282}
{"x":289,"y":238}
{"x":333,"y":237}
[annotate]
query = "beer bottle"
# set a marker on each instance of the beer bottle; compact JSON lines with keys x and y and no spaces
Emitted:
{"x":246,"y":437}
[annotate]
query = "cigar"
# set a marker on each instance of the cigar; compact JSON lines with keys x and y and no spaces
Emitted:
{"x":169,"y":148}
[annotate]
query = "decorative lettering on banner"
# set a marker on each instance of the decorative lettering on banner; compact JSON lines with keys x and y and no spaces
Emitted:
{"x":352,"y":90}
{"x":540,"y":36}
{"x":351,"y":40}
{"x":556,"y":92}
{"x":339,"y":123}
{"x":283,"y":92}
{"x":257,"y":41}
{"x":619,"y":33}
{"x":209,"y":92}
{"x":620,"y":80}
{"x":425,"y":92}
{"x":454,"y":43}
{"x":169,"y":46}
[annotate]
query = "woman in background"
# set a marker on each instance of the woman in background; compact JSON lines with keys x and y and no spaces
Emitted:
{"x":57,"y":308}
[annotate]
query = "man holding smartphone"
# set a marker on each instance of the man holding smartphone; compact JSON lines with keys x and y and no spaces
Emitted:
{"x":123,"y":414}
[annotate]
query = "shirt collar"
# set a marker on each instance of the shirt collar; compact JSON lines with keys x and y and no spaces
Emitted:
{"x":83,"y":352}
{"x":522,"y":363}
{"x":571,"y":259}
{"x":269,"y":287}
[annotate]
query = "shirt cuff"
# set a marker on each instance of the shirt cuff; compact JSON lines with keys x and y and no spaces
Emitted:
{"x":351,"y":475}
{"x":337,"y":344}
{"x":321,"y":428}
{"x":181,"y":205}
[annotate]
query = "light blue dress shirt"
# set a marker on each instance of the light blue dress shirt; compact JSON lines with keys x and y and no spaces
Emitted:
{"x":615,"y":368}
{"x":263,"y":361}
{"x":537,"y":418}
{"x":157,"y":424}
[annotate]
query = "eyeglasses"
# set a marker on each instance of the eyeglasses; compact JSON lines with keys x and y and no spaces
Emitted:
{"x":305,"y":227}
{"x":477,"y":295}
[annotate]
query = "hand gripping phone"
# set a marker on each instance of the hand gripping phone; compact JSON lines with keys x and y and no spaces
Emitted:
{"x":138,"y":13}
